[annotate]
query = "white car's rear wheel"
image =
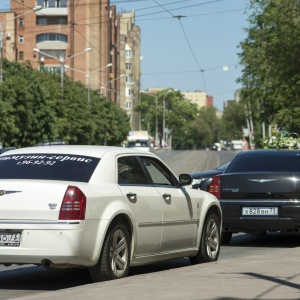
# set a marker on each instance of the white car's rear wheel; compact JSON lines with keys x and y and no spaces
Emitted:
{"x":210,"y":241}
{"x":114,"y":259}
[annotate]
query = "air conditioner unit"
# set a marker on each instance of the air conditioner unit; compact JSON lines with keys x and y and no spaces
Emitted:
{"x":8,"y":36}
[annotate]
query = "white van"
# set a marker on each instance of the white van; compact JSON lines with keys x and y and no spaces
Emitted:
{"x":237,"y":144}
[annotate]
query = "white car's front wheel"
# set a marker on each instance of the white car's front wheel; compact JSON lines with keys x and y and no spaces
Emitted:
{"x":210,"y":241}
{"x":114,"y":259}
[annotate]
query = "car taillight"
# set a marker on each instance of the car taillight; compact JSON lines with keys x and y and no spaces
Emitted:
{"x":214,"y":187}
{"x":73,"y":205}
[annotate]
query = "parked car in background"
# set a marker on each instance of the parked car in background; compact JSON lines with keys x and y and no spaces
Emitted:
{"x":201,"y":180}
{"x":237,"y":144}
{"x":259,"y":192}
{"x":101,"y":208}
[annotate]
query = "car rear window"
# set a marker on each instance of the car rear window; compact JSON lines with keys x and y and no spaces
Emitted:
{"x":48,"y":167}
{"x":265,"y":164}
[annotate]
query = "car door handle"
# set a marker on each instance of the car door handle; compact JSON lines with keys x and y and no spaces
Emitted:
{"x":131,"y":197}
{"x":167,"y":197}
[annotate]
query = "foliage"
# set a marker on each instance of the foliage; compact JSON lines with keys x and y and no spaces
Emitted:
{"x":270,"y":58}
{"x":282,"y":142}
{"x":191,"y":127}
{"x":233,"y":120}
{"x":35,"y":110}
{"x":178,"y":112}
{"x":205,"y":129}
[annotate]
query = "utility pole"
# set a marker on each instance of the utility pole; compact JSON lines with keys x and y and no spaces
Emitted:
{"x":1,"y":53}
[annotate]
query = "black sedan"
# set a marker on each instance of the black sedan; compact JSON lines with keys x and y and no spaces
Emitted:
{"x":201,"y":180}
{"x":259,"y":192}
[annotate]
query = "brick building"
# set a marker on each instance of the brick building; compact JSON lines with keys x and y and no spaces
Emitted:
{"x":83,"y":39}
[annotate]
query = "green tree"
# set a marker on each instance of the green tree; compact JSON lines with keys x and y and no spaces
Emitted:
{"x":270,"y":58}
{"x":233,"y":121}
{"x":178,"y":113}
{"x":34,"y":110}
{"x":205,"y":129}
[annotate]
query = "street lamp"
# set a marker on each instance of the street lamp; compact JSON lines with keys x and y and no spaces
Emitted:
{"x":62,"y":61}
{"x":88,"y":76}
{"x":118,"y":95}
{"x":164,"y":115}
{"x":37,"y":8}
{"x":109,"y":83}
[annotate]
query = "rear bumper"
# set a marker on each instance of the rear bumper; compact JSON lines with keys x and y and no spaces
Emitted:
{"x":57,"y":246}
{"x":233,"y":221}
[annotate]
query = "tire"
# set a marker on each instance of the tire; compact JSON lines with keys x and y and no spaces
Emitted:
{"x":210,"y":241}
{"x":226,"y":238}
{"x":115,"y":256}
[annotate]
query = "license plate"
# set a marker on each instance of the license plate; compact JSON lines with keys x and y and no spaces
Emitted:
{"x":10,"y":239}
{"x":260,"y":211}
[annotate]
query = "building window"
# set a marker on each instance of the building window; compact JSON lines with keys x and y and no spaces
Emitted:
{"x":128,"y":105}
{"x":52,"y":53}
{"x":51,"y":20}
{"x":128,"y":92}
{"x":128,"y":53}
{"x":21,"y":55}
{"x":128,"y":79}
{"x":21,"y":39}
{"x":62,"y":3}
{"x":41,"y":21}
{"x":128,"y":66}
{"x":47,"y":37}
{"x":21,"y":22}
{"x":52,"y":3}
{"x":53,"y":69}
{"x":129,"y":117}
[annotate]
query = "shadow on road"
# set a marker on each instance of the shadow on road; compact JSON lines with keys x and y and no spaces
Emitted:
{"x":270,"y":239}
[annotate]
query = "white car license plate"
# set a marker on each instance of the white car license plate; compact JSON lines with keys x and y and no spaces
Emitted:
{"x":10,"y":239}
{"x":260,"y":211}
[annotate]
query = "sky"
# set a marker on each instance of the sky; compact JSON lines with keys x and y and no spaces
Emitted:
{"x":188,"y":45}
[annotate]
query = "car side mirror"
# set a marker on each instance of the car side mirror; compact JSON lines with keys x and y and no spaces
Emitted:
{"x":185,"y":179}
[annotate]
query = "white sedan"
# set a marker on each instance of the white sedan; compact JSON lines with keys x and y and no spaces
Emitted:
{"x":103,"y":208}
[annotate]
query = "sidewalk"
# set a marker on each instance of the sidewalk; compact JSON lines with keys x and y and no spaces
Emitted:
{"x":269,"y":276}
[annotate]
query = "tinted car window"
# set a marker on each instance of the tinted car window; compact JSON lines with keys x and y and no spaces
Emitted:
{"x":158,"y":173}
{"x":48,"y":167}
{"x":265,"y":164}
{"x":224,"y":166}
{"x":130,"y":171}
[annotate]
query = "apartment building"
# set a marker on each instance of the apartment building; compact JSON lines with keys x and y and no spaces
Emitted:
{"x":130,"y":67}
{"x":83,"y":39}
{"x":200,"y":98}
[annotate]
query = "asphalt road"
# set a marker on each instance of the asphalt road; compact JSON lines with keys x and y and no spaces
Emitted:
{"x":16,"y":282}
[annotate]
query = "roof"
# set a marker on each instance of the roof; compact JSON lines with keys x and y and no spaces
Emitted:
{"x":87,"y":150}
{"x":270,"y":152}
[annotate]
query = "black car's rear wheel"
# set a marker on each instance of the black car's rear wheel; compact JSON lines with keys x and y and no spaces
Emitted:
{"x":210,"y":241}
{"x":114,"y":259}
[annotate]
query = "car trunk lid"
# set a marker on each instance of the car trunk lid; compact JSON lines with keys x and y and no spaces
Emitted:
{"x":24,"y":200}
{"x":259,"y":186}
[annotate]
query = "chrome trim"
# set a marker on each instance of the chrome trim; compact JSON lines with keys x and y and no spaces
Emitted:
{"x":3,"y":192}
{"x":40,"y":223}
{"x":169,"y":223}
{"x":261,"y":180}
{"x":240,"y":201}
